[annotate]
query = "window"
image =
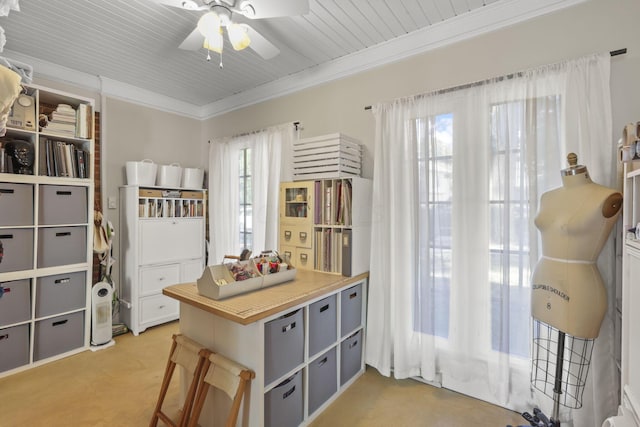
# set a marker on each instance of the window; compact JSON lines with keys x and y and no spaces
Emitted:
{"x":435,"y":161}
{"x":246,"y":197}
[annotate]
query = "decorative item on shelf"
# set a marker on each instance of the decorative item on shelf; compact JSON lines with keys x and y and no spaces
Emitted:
{"x":629,"y":143}
{"x":22,"y":156}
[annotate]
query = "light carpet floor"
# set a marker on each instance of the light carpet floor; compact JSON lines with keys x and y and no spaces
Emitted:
{"x":119,"y":385}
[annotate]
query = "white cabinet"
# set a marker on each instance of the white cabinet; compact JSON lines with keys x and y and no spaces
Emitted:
{"x":46,"y":220}
{"x":162,"y":243}
{"x":630,"y":315}
{"x":325,"y":224}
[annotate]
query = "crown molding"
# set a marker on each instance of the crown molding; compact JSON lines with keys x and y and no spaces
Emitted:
{"x":489,"y":18}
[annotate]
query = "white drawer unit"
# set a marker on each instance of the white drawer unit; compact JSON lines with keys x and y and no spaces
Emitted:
{"x":162,"y":243}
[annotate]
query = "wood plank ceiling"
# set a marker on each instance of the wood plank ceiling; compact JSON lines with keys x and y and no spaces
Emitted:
{"x":136,"y":41}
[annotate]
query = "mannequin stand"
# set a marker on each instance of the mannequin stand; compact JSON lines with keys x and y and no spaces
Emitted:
{"x":560,"y":367}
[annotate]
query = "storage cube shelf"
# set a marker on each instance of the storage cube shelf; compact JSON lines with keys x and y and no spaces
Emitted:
{"x":162,"y":243}
{"x":45,"y":218}
{"x":317,"y":350}
{"x":325,"y":224}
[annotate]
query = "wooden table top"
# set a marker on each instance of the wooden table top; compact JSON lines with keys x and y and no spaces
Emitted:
{"x":253,"y":306}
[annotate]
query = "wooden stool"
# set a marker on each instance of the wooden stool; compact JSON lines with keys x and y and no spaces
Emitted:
{"x":226,"y":375}
{"x":191,"y":356}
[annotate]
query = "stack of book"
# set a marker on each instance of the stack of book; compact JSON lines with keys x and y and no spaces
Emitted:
{"x":62,"y":121}
{"x":83,"y":121}
{"x":65,"y":159}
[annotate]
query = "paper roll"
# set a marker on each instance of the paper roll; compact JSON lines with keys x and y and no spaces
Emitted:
{"x":630,"y":133}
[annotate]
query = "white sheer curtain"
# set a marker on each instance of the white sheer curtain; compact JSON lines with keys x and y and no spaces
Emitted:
{"x":457,"y":178}
{"x":268,"y":148}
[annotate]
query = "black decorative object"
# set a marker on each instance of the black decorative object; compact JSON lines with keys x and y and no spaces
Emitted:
{"x":22,"y":155}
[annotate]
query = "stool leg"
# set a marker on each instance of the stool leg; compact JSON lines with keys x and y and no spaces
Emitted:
{"x":168,"y":373}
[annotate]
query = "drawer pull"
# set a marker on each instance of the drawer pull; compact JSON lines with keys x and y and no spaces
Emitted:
{"x":289,"y":392}
{"x":287,"y":254}
{"x":4,"y":337}
{"x":63,"y":193}
{"x":160,"y":279}
{"x":161,"y":306}
{"x":6,"y":191}
{"x":60,"y":322}
{"x":353,"y":295}
{"x":288,"y":327}
{"x":287,"y":234}
{"x":324,"y":308}
{"x":353,"y":344}
{"x":323,"y":361}
{"x":6,"y":236}
{"x":303,"y":257}
{"x":62,"y":281}
{"x":63,"y":233}
{"x":303,"y":235}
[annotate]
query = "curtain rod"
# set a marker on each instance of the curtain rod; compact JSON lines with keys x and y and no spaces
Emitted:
{"x":508,"y":76}
{"x":296,"y":125}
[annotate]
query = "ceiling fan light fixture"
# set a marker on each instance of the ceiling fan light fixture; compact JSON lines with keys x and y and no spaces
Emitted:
{"x":209,"y":25}
{"x":238,"y":36}
{"x":214,"y":41}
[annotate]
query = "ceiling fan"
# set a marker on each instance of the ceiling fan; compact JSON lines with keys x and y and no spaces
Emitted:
{"x":230,"y":15}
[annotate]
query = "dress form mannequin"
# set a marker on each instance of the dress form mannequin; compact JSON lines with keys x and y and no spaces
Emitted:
{"x":568,"y":298}
{"x":575,"y":221}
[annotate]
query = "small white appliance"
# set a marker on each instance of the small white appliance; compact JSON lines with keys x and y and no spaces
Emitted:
{"x":101,"y":327}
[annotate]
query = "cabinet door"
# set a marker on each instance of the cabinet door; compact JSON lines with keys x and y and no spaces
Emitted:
{"x":171,"y":240}
{"x":296,"y":202}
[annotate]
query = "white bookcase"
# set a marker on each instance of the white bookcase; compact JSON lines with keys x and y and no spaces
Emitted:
{"x":46,"y":230}
{"x":162,"y":243}
{"x":325,"y":224}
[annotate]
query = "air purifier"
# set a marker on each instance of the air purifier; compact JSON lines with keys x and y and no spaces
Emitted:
{"x":101,"y":332}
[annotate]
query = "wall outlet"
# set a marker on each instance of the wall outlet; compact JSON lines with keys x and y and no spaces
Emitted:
{"x":111,"y":202}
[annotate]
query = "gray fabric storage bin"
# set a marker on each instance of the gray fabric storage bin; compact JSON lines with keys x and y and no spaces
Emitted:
{"x":350,"y":309}
{"x":16,"y":204}
{"x":15,"y":302}
{"x":350,"y":357}
{"x":62,"y":246}
{"x":17,"y":246}
{"x":322,"y":324}
{"x":58,"y":335}
{"x":283,"y":405}
{"x":323,"y":379}
{"x":14,"y":347}
{"x":284,"y":345}
{"x":60,"y":293}
{"x":62,"y":204}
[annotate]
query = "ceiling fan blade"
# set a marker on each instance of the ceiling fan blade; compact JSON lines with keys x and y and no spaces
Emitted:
{"x":183,"y":4}
{"x":193,"y":41}
{"x":275,"y":8}
{"x":261,"y":45}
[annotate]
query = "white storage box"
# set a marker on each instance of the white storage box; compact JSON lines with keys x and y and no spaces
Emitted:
{"x":329,"y":156}
{"x":192,"y":178}
{"x":169,"y":175}
{"x":141,"y":173}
